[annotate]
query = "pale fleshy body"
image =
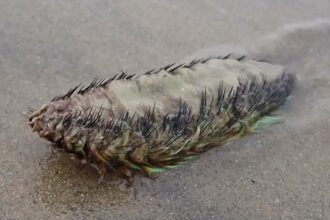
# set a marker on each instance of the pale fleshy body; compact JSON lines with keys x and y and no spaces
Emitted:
{"x":165,"y":87}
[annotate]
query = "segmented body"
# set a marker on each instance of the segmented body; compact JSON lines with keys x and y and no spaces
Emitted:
{"x":161,"y":119}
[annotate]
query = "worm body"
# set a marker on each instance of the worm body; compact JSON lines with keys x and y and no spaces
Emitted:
{"x":165,"y":117}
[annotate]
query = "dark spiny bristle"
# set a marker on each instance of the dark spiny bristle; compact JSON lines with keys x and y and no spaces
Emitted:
{"x":241,"y":58}
{"x":175,"y":68}
{"x":263,"y":61}
{"x":226,"y":57}
{"x":149,"y":72}
{"x":202,"y":107}
{"x":92,"y":85}
{"x":168,"y":66}
{"x":179,"y":123}
{"x":145,"y":124}
{"x":205,"y":60}
{"x":96,"y":83}
{"x":30,"y":110}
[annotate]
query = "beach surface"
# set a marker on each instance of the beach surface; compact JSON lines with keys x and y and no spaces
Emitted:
{"x":47,"y":47}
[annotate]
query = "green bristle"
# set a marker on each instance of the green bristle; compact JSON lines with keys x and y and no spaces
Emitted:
{"x":154,"y":170}
{"x":265,"y":122}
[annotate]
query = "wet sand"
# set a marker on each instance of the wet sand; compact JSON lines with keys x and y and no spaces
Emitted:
{"x":46,"y":48}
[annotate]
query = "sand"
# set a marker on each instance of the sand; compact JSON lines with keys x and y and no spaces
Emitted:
{"x":46,"y":47}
